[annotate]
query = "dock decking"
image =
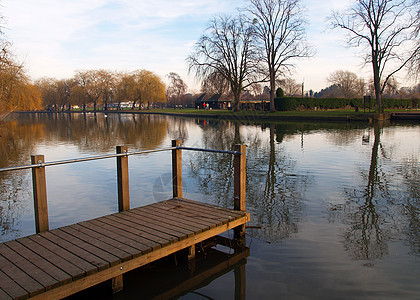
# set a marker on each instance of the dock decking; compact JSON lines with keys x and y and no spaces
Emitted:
{"x":63,"y":261}
{"x":53,"y":264}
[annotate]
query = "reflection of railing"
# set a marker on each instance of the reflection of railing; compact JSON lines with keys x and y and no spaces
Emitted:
{"x":38,"y":165}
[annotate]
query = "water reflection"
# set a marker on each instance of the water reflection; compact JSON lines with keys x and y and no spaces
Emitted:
{"x":274,"y":189}
{"x":168,"y":280}
{"x":377,"y":213}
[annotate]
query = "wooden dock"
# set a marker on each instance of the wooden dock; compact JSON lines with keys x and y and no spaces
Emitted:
{"x":53,"y":264}
{"x":60,"y":262}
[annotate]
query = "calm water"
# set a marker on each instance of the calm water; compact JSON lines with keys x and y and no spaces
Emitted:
{"x":335,"y":206}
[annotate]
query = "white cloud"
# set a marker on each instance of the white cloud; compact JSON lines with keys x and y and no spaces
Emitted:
{"x":57,"y":37}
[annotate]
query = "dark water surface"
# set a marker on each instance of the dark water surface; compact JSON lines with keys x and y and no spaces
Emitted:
{"x":335,"y":207}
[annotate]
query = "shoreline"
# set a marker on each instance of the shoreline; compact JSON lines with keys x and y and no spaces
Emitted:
{"x":308,"y":116}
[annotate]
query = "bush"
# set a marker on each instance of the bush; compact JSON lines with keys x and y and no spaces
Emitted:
{"x":284,"y":104}
{"x":289,"y":103}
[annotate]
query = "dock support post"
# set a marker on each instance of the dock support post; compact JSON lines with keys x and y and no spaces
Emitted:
{"x":239,"y":196}
{"x":123,"y":201}
{"x":117,"y":284}
{"x":177,"y":169}
{"x":123,"y":180}
{"x":40,"y":194}
{"x":240,"y":282}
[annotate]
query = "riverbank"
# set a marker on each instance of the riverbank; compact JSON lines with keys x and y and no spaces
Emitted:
{"x":298,"y":116}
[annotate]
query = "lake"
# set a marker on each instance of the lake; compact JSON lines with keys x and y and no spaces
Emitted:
{"x":334,"y":206}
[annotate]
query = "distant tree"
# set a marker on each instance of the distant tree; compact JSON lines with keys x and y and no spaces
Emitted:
{"x":290,"y":86}
{"x":387,"y":29}
{"x":279,"y":27}
{"x":333,"y":91}
{"x":226,"y":48}
{"x":348,"y":82}
{"x":177,"y":88}
{"x":91,"y":83}
{"x":215,"y":83}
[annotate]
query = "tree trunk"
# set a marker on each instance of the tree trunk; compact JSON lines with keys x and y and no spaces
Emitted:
{"x":377,"y":85}
{"x":272,"y":93}
{"x":236,"y":106}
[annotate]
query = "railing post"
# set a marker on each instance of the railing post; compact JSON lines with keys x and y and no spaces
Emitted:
{"x":239,"y":164}
{"x":123,"y":180}
{"x":177,"y":169}
{"x":40,"y":194}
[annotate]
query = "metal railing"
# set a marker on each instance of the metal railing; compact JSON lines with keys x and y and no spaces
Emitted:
{"x":38,"y":166}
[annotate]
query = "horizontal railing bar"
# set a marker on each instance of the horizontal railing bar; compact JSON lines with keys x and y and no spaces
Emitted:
{"x":76,"y":160}
{"x":68,"y":161}
{"x":210,"y":150}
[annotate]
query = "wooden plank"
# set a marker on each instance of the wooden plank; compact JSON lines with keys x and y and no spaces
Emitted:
{"x":167,"y":223}
{"x":4,"y":295}
{"x":182,"y":216}
{"x":208,"y":209}
{"x":64,"y":252}
{"x":138,"y":234}
{"x":195,"y":213}
{"x":115,"y":252}
{"x":30,"y":269}
{"x":156,"y":225}
{"x":104,"y":230}
{"x":206,"y":212}
{"x":86,"y":282}
{"x":110,"y":241}
{"x":113,"y":226}
{"x":61,"y":276}
{"x":163,"y":226}
{"x":146,"y":231}
{"x":11,"y":288}
{"x":55,"y":257}
{"x":24,"y":280}
{"x":87,"y":252}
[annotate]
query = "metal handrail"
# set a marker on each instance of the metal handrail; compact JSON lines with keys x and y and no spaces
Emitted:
{"x":98,"y":157}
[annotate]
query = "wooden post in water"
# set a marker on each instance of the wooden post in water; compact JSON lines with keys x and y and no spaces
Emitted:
{"x":239,"y":194}
{"x":40,"y":194}
{"x":177,"y":169}
{"x":123,"y":201}
{"x":123,"y":181}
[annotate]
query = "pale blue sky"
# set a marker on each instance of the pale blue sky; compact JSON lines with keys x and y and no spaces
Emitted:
{"x":55,"y":38}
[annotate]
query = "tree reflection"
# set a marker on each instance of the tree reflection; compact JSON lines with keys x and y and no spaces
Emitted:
{"x":378,"y":213}
{"x":95,"y":133}
{"x":274,"y":190}
{"x":411,"y":174}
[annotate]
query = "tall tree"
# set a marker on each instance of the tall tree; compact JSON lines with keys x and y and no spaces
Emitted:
{"x":387,"y":29}
{"x":176,"y":89}
{"x":279,"y":27}
{"x":226,"y":48}
{"x":348,"y":82}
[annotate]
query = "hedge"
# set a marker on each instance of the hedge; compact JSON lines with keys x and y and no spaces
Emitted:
{"x":289,"y":103}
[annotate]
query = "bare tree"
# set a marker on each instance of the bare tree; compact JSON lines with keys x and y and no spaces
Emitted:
{"x":215,"y":83}
{"x":280,"y":31}
{"x":290,"y":86}
{"x":176,"y":89}
{"x":387,"y":29}
{"x":349,"y":83}
{"x":226,"y":48}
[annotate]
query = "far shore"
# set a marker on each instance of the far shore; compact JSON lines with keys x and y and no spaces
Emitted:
{"x":246,"y":115}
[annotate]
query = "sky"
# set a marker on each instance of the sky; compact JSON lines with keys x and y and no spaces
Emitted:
{"x":57,"y":38}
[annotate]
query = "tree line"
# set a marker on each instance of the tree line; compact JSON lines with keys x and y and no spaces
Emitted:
{"x":264,"y":40}
{"x":236,"y":56}
{"x":141,"y":88}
